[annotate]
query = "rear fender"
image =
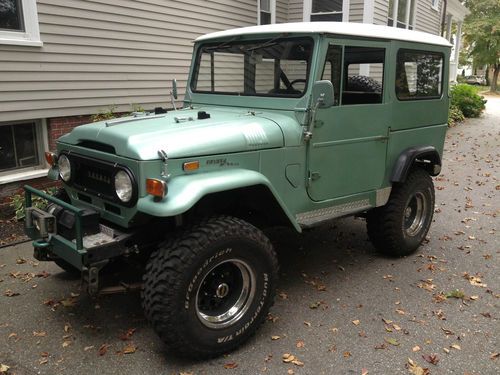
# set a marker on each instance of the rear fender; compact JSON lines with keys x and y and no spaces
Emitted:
{"x":426,"y":157}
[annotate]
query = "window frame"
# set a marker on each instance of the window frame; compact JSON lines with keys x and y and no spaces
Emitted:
{"x":435,"y":5}
{"x":272,"y":12}
{"x":42,"y":144}
{"x":416,"y":51}
{"x":30,"y":36}
{"x":307,"y":11}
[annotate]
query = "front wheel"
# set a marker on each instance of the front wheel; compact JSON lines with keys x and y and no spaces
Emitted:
{"x":399,"y":227}
{"x":208,"y":290}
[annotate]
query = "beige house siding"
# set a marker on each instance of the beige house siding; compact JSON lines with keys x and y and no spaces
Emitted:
{"x":96,"y":55}
{"x":281,"y":11}
{"x":295,"y":10}
{"x":427,"y":18}
{"x":380,"y":10}
{"x":356,"y":11}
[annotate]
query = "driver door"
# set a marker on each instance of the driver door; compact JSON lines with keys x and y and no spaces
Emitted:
{"x":348,"y":146}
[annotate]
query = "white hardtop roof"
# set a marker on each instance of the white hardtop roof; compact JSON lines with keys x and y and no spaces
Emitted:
{"x":340,"y":28}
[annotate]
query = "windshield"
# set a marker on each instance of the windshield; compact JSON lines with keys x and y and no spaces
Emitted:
{"x":267,"y":67}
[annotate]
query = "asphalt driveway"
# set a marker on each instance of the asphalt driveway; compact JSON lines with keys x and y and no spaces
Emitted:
{"x":341,"y":307}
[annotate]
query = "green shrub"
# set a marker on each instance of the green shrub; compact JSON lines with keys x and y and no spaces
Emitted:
{"x":455,"y":116}
{"x":465,"y":97}
{"x":17,"y":202}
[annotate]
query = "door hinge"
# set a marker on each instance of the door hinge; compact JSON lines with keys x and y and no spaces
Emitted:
{"x":312,"y":177}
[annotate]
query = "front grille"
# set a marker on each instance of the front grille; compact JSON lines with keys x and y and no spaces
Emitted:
{"x":95,"y":177}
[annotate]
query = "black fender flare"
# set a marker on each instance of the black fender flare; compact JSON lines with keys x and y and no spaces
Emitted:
{"x":426,"y":157}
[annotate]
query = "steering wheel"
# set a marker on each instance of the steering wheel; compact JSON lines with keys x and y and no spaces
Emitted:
{"x":299,"y":80}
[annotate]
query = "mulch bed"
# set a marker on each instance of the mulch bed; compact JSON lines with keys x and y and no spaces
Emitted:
{"x":11,"y":232}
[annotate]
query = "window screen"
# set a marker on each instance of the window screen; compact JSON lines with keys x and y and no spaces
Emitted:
{"x":419,"y":75}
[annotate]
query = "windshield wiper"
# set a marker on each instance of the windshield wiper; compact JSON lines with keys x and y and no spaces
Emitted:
{"x":269,"y":43}
{"x":220,"y":46}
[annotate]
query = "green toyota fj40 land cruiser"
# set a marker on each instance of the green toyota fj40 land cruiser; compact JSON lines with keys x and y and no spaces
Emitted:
{"x":287,"y":124}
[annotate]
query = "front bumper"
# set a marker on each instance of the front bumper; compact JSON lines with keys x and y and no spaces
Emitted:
{"x":86,"y":252}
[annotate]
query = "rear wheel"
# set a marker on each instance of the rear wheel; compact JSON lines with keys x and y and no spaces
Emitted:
{"x":399,"y":227}
{"x":208,"y":290}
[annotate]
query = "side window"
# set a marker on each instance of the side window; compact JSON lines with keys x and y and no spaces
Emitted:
{"x":419,"y":75}
{"x":363,"y":75}
{"x":333,"y":69}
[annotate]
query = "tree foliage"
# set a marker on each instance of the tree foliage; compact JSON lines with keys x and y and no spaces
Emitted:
{"x":482,"y":34}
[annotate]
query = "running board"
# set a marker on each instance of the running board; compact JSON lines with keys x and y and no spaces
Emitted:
{"x":315,"y":217}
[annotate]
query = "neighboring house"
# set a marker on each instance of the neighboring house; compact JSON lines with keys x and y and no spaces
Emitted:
{"x":64,"y":60}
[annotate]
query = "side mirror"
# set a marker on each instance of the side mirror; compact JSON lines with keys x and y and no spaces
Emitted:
{"x":174,"y":88}
{"x":322,"y":94}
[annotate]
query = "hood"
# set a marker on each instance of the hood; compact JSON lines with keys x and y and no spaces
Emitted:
{"x":180,"y":134}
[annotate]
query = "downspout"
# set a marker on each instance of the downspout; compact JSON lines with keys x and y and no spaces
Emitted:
{"x":443,"y":19}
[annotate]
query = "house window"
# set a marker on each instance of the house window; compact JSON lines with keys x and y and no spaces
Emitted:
{"x":324,"y":10}
{"x":20,"y":146}
{"x":435,"y":4}
{"x":19,"y":23}
{"x":266,"y":12}
{"x":419,"y":75}
{"x":403,"y":11}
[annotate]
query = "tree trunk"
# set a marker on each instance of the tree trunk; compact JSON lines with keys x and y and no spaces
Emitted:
{"x":495,"y":78}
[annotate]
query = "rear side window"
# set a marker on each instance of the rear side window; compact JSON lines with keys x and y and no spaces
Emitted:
{"x":419,"y":75}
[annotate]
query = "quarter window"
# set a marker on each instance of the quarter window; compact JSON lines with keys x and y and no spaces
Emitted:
{"x":419,"y":75}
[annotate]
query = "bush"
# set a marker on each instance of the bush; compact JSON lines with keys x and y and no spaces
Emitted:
{"x":17,"y":202}
{"x":455,"y":116}
{"x":465,"y":97}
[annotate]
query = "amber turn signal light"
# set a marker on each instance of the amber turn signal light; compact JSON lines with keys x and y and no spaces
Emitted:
{"x":156,"y":188}
{"x":51,"y":158}
{"x":191,"y":166}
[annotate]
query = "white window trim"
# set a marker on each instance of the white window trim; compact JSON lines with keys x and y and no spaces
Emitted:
{"x":272,"y":5}
{"x":307,"y":11}
{"x":31,"y":34}
{"x":408,"y":22}
{"x":435,"y":5}
{"x":37,"y":171}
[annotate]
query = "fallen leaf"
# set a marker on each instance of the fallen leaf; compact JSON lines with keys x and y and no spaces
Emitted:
{"x":129,"y":349}
{"x":364,"y":371}
{"x":67,"y":327}
{"x":287,"y":357}
{"x":296,"y":362}
{"x":10,"y":293}
{"x":391,"y":341}
{"x":446,"y":350}
{"x":68,"y":302}
{"x":290,"y":371}
{"x":455,"y":346}
{"x":103,"y":349}
{"x":12,"y":335}
{"x":494,"y":356}
{"x":3,"y":368}
{"x":20,"y":260}
{"x":455,"y":294}
{"x":356,"y":322}
{"x":400,"y":312}
{"x":127,"y":335}
{"x":66,"y":344}
{"x":39,"y":334}
{"x":307,"y":323}
{"x":275,"y":337}
{"x":87,"y":348}
{"x":431,"y":358}
{"x":347,"y":354}
{"x":283,"y":295}
{"x":381,"y":346}
{"x":416,"y":348}
{"x":414,"y":369}
{"x":230,"y":365}
{"x":300,"y":344}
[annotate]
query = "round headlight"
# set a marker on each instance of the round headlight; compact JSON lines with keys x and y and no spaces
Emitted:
{"x":64,"y":168}
{"x":123,"y":186}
